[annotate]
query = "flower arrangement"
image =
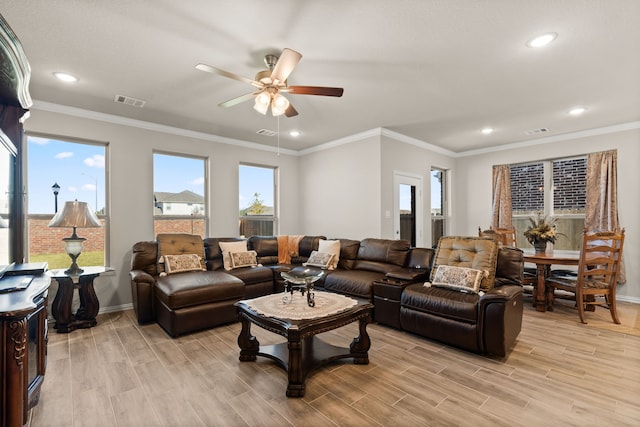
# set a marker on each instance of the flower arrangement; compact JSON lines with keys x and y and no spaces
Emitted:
{"x":541,"y":229}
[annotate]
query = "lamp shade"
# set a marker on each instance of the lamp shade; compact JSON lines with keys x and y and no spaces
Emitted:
{"x":75,"y":214}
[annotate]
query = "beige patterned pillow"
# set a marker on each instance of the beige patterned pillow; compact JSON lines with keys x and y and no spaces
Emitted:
{"x":243,"y":259}
{"x":228,"y":248}
{"x":458,"y":278}
{"x":319,"y":259}
{"x":182,"y":263}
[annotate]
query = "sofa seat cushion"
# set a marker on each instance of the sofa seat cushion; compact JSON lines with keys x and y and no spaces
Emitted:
{"x":198,"y":287}
{"x":442,"y":302}
{"x":251,"y":275}
{"x":358,"y":283}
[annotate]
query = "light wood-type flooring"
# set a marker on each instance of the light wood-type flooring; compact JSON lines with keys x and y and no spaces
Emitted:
{"x":559,"y":373}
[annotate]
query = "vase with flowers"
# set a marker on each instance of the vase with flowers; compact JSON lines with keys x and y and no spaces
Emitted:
{"x":541,"y":230}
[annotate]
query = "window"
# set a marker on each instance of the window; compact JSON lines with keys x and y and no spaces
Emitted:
{"x":556,"y":188}
{"x":60,"y":171}
{"x":257,"y":201}
{"x":179,"y":205}
{"x":438,"y":205}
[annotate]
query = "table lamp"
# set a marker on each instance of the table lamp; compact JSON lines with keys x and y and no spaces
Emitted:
{"x":74,"y":214}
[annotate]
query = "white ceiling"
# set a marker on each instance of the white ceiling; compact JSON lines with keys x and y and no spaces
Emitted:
{"x":435,"y":70}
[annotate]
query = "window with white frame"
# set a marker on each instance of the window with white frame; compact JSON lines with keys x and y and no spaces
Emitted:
{"x":61,"y":170}
{"x":179,"y":188}
{"x":257,"y":209}
{"x":438,"y":205}
{"x":555,"y":188}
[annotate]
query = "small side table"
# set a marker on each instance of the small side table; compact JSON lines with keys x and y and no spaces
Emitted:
{"x":85,"y":317}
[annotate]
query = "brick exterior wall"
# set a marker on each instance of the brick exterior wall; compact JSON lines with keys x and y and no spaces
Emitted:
{"x":48,"y":240}
{"x":526,"y":184}
{"x":187,"y":226}
{"x":570,"y":181}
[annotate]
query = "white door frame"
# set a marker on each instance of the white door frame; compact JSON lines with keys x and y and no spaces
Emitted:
{"x":415,"y":181}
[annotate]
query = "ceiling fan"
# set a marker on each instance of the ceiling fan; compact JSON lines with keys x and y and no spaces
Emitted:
{"x":271,"y":83}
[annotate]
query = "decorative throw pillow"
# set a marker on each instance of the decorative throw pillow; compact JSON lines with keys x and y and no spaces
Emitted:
{"x":182,"y":263}
{"x":319,"y":259}
{"x":458,"y":278}
{"x":331,"y":247}
{"x":228,"y":247}
{"x":243,"y":259}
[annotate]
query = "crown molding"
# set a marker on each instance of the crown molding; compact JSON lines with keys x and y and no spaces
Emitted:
{"x":141,"y":124}
{"x":372,"y":133}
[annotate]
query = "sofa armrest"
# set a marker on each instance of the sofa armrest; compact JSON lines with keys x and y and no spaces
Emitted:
{"x":500,"y":318}
{"x":408,"y":274}
{"x":500,"y":294}
{"x":142,"y":285}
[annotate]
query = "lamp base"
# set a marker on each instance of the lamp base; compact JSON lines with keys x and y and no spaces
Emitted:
{"x":73,"y":269}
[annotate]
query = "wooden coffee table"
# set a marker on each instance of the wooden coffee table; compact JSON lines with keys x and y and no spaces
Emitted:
{"x":304,"y":351}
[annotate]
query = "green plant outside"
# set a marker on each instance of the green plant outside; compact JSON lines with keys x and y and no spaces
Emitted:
{"x":62,"y":260}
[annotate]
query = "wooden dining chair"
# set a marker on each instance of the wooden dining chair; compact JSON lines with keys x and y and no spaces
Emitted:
{"x":597,"y":275}
{"x":504,"y":236}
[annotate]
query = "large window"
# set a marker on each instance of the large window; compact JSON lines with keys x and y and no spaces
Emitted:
{"x":438,"y":205}
{"x":257,"y":200}
{"x":179,"y":184}
{"x":60,"y":171}
{"x":556,"y":188}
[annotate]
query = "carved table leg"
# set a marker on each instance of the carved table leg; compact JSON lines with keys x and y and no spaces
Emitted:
{"x":89,"y":304}
{"x":61,"y":308}
{"x":541,"y":295}
{"x":248,"y":344}
{"x":360,"y":345}
{"x":296,"y":386}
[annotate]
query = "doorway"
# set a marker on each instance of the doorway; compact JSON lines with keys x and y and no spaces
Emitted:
{"x":407,"y":208}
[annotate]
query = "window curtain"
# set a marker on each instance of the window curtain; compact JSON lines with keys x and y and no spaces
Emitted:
{"x":501,"y":203}
{"x":602,"y":196}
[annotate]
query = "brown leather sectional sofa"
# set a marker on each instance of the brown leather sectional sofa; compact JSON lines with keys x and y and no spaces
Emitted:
{"x":378,"y":270}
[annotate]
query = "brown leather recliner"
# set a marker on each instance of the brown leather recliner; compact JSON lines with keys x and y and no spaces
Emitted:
{"x":486,"y":322}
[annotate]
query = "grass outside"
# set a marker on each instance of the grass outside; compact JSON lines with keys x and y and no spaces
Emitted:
{"x":62,"y":260}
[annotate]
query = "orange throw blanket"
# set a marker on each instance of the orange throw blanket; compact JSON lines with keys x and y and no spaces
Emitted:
{"x":288,"y":246}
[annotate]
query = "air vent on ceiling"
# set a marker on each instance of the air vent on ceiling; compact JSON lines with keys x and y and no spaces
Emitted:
{"x":134,"y":102}
{"x":536,"y":131}
{"x":266,"y":132}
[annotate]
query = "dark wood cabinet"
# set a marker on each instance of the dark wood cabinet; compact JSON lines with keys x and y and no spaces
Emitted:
{"x":23,"y":336}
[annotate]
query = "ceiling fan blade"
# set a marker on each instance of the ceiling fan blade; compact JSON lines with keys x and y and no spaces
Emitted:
{"x":220,"y":72}
{"x":315,"y":90}
{"x":290,"y":111}
{"x":285,"y":65}
{"x":238,"y":100}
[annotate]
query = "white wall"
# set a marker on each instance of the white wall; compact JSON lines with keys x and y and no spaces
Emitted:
{"x":130,"y":186}
{"x":472,"y":191}
{"x":340,"y":190}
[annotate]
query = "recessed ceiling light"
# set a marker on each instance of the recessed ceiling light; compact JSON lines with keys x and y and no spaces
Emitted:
{"x":577,"y":111}
{"x":542,"y":40}
{"x":294,"y":133}
{"x":487,"y":131}
{"x":65,"y":77}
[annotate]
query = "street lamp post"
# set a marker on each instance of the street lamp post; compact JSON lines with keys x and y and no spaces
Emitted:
{"x":56,"y":189}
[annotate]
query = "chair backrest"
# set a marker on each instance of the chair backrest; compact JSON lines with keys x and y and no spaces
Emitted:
{"x":504,"y":236}
{"x":600,"y":256}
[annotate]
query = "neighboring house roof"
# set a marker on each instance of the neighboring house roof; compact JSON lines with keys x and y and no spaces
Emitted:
{"x":185,"y":196}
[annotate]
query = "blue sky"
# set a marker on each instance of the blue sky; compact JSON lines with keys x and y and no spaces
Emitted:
{"x":77,"y":168}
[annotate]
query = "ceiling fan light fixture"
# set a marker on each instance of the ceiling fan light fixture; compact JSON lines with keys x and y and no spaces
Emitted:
{"x":261,"y":105}
{"x":542,"y":40}
{"x":279,"y":105}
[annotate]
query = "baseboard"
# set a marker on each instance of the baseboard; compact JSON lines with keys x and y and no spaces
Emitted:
{"x":115,"y":308}
{"x":633,"y":300}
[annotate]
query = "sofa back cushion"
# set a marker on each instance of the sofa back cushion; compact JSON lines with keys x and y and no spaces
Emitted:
{"x":306,"y":245}
{"x":213,"y":253}
{"x":510,"y":266}
{"x":266,"y":248}
{"x":179,"y":244}
{"x":144,"y":257}
{"x":348,"y":253}
{"x":379,"y":254}
{"x":480,"y":253}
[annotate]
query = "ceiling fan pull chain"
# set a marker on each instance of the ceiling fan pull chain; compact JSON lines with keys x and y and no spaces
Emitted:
{"x":278,"y":117}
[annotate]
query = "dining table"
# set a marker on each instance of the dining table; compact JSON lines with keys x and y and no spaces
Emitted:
{"x":543,"y":262}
